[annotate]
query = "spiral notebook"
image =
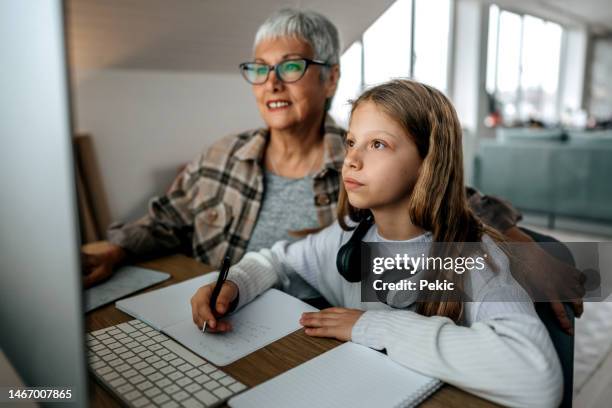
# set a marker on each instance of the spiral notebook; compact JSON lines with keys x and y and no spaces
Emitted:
{"x":349,"y":375}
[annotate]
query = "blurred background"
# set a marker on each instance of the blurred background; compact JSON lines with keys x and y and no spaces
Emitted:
{"x":155,"y":82}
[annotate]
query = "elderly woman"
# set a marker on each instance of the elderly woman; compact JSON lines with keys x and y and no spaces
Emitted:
{"x":252,"y":189}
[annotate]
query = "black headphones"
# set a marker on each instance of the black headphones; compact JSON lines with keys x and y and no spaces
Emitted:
{"x":348,"y":260}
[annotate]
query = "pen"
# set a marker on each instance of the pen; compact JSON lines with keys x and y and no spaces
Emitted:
{"x":217,"y":289}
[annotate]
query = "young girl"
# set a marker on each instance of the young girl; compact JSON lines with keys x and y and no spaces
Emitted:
{"x":403,"y":180}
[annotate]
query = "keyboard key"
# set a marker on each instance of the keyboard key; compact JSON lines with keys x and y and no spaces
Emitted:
{"x":161,"y":399}
{"x":164,"y":382}
{"x":151,"y":392}
{"x":206,"y":397}
{"x":184,"y":381}
{"x":126,"y":340}
{"x":160,"y":364}
{"x":136,"y":379}
{"x":115,"y":362}
{"x":193,"y":388}
{"x":152,"y":359}
{"x":141,"y":338}
{"x":167,"y":369}
{"x":114,"y":331}
{"x":127,"y":354}
{"x":193,"y":373}
{"x":138,"y":349}
{"x":110,"y":376}
{"x":109,"y":357}
{"x":191,"y":403}
{"x":104,"y":370}
{"x":103,"y":351}
{"x":161,"y":352}
{"x":125,"y":388}
{"x":155,"y":347}
{"x":207,"y":368}
{"x":98,"y":347}
{"x":140,"y":402}
{"x":155,"y":376}
{"x":130,"y":373}
{"x":140,"y":365}
{"x":120,"y":336}
{"x":175,"y":375}
{"x":147,"y":371}
{"x":177,"y":362}
{"x":226,"y":380}
{"x":217,"y":375}
{"x":131,"y":344}
{"x":121,"y":350}
{"x":108,"y":341}
{"x":148,"y":343}
{"x":145,"y":354}
{"x":103,"y":336}
{"x":132,"y":395}
{"x":222,"y":392}
{"x":146,"y":329}
{"x":211,"y":385}
{"x":117,"y":382}
{"x":185,"y":367}
{"x":114,"y":345}
{"x":183,"y":353}
{"x":94,"y":359}
{"x":121,"y":368}
{"x":144,"y":385}
{"x":171,"y":389}
{"x":237,"y":387}
{"x":179,"y":396}
{"x":169,"y":356}
{"x":133,"y":360}
{"x":201,"y":379}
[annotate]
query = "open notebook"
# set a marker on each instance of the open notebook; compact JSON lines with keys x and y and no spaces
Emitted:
{"x":349,"y":375}
{"x":266,"y":319}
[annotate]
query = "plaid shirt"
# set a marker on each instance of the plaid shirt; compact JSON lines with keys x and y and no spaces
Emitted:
{"x":212,"y":207}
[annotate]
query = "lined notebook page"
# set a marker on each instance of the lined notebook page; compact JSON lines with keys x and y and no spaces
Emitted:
{"x":349,"y":375}
{"x":269,"y":317}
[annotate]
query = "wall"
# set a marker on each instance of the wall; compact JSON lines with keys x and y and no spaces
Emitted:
{"x":145,"y":124}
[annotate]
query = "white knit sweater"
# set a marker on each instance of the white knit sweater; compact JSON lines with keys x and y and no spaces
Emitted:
{"x":502,"y":352}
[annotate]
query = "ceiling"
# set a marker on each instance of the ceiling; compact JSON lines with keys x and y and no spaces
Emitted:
{"x":191,"y":35}
{"x":216,"y":35}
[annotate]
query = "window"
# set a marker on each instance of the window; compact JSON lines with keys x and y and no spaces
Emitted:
{"x":409,"y":40}
{"x":523,"y":65}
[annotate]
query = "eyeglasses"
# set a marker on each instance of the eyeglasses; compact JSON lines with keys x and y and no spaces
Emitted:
{"x":287,"y":71}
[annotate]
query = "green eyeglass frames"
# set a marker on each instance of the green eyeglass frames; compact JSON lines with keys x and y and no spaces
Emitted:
{"x":287,"y":71}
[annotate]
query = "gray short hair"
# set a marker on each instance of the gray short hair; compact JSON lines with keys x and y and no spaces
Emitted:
{"x":314,"y":28}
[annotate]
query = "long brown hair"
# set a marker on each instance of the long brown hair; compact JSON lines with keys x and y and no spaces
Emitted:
{"x":438,"y":202}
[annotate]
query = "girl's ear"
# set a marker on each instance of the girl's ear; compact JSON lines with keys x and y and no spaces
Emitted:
{"x":332,"y":81}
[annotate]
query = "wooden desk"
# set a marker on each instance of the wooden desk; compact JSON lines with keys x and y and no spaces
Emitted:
{"x":257,"y":367}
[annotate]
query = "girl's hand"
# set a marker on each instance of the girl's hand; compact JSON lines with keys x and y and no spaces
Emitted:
{"x":336,"y":322}
{"x":200,"y":307}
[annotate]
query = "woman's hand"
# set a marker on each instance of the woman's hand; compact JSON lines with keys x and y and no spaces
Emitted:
{"x":336,"y":322}
{"x":99,"y":259}
{"x":200,"y":307}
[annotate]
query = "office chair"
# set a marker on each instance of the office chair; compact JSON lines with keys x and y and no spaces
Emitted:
{"x":563,"y":342}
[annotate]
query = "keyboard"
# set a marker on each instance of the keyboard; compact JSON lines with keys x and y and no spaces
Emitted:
{"x":146,"y":368}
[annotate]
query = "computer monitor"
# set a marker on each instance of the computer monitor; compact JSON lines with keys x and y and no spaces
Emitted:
{"x":41,"y":318}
